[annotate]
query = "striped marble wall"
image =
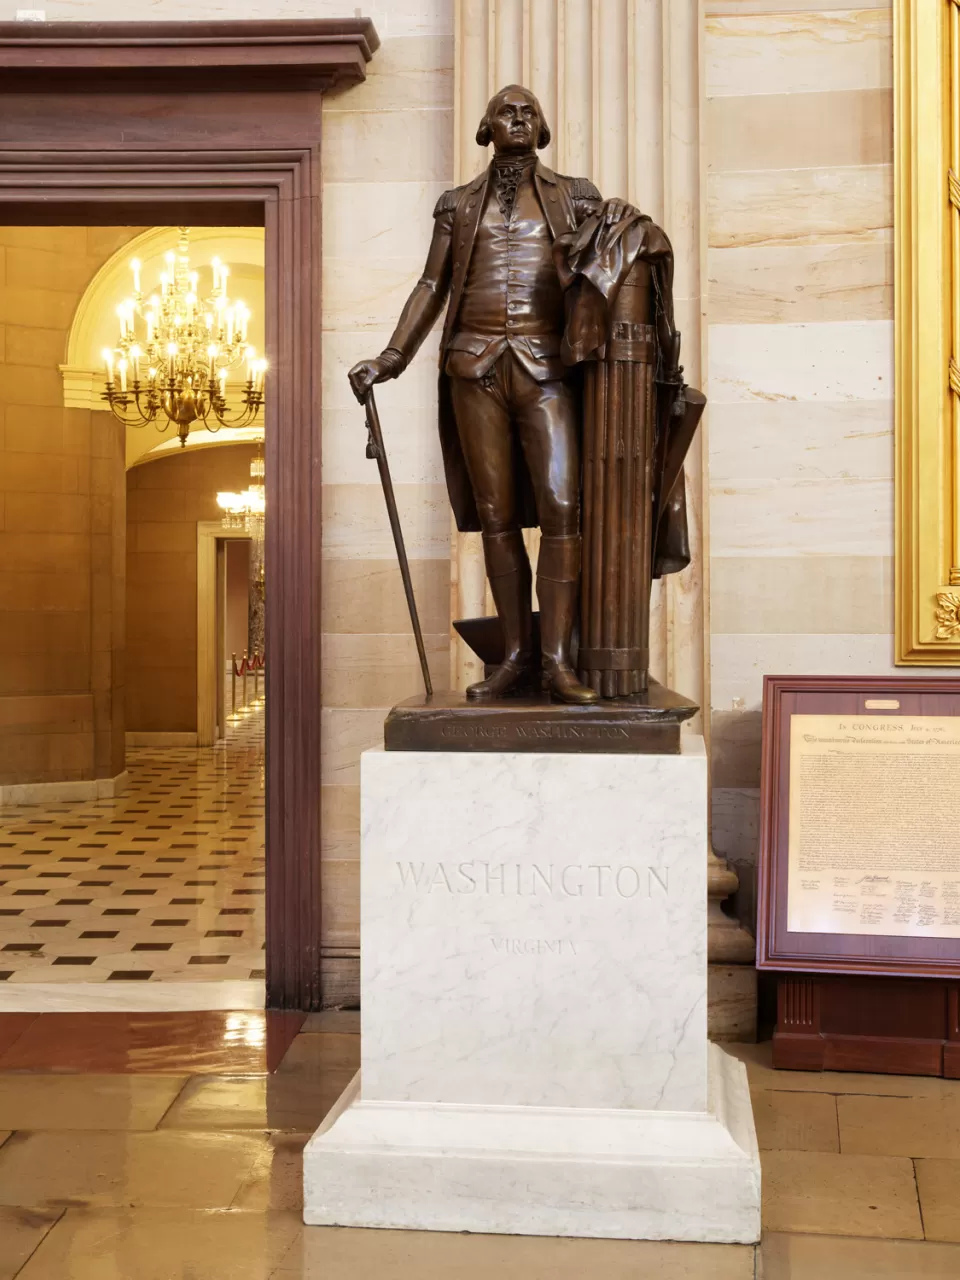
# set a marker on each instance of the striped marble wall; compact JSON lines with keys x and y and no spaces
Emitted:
{"x":388,"y":156}
{"x":799,"y":211}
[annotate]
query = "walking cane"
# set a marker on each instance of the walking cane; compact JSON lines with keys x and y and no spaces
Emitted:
{"x":375,"y":449}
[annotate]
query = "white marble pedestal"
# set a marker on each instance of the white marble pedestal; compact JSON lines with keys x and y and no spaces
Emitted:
{"x":533,"y":994}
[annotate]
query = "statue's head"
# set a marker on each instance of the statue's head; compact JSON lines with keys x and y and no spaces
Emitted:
{"x":513,"y":122}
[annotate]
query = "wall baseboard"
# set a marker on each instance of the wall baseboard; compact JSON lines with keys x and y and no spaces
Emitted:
{"x":51,"y":792}
{"x":340,"y":981}
{"x":128,"y":997}
{"x":139,"y":738}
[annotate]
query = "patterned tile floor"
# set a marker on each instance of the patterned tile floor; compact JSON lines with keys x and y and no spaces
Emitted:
{"x":162,"y":883}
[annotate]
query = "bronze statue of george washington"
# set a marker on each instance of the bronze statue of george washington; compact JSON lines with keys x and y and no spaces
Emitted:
{"x":510,"y":419}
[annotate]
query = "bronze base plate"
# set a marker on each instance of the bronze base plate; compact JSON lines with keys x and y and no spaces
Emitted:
{"x":647,"y":725}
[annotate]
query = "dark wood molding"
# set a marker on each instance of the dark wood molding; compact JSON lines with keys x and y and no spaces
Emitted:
{"x":151,"y":143}
{"x":833,"y":952}
{"x":323,"y":52}
{"x":837,"y":1022}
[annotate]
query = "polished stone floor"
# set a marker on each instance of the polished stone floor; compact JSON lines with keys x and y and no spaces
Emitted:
{"x":163,"y":883}
{"x":167,"y":1147}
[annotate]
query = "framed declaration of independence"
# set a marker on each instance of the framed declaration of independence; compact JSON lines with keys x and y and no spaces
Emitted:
{"x":860,"y":826}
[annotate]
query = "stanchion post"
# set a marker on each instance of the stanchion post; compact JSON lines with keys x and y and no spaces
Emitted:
{"x":243,"y":668}
{"x":233,"y":683}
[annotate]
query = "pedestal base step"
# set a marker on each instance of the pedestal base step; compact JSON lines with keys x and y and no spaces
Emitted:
{"x":633,"y":1175}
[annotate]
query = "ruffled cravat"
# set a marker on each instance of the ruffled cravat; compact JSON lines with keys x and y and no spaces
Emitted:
{"x":508,"y":173}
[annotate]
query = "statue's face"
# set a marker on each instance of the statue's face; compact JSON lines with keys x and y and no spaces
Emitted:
{"x":514,"y":122}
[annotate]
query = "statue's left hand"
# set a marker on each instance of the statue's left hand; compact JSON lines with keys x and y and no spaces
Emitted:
{"x":614,"y":210}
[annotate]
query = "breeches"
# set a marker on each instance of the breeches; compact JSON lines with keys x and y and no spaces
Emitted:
{"x":494,"y":412}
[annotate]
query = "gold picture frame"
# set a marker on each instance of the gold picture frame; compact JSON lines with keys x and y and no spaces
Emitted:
{"x":927,"y":327}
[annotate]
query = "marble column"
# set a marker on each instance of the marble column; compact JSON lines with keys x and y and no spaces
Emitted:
{"x":620,"y":82}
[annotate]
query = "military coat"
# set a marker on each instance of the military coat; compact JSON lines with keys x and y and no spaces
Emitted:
{"x":566,"y":202}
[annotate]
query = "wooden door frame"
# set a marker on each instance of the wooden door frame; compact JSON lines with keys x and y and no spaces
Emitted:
{"x":217,"y":122}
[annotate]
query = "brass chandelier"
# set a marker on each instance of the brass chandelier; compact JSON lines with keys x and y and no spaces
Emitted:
{"x":247,"y":510}
{"x":176,"y":351}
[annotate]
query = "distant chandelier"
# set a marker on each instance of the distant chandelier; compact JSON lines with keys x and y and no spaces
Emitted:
{"x":176,"y":351}
{"x":246,"y":510}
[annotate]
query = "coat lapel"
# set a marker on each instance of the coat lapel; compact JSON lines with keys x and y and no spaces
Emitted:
{"x":466,"y":219}
{"x":554,"y":201}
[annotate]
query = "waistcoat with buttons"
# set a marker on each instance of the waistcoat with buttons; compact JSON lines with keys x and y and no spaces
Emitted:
{"x":512,"y":288}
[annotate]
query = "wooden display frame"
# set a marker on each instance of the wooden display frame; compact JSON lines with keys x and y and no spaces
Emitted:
{"x":849,"y":1002}
{"x":777,"y":948}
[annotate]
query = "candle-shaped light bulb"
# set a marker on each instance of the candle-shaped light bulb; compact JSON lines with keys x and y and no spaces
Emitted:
{"x":261,"y":370}
{"x":135,"y":354}
{"x":152,"y":374}
{"x":172,"y":353}
{"x":164,"y":282}
{"x":194,"y":281}
{"x":135,"y":268}
{"x":169,"y":257}
{"x":222,"y":375}
{"x":122,"y":368}
{"x":122,"y":317}
{"x":224,"y":272}
{"x":251,"y":364}
{"x":230,"y":319}
{"x":212,"y":353}
{"x":208,"y":321}
{"x":108,"y":361}
{"x":215,"y":265}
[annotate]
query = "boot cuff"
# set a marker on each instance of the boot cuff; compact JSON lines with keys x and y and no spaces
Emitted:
{"x":559,"y":558}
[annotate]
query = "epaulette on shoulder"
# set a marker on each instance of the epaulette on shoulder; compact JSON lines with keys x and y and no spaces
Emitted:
{"x":447,"y":202}
{"x":583,"y":189}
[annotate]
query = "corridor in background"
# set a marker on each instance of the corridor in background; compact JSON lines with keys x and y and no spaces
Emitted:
{"x":164,"y":883}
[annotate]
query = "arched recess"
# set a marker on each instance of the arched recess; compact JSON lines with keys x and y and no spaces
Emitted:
{"x":95,"y":323}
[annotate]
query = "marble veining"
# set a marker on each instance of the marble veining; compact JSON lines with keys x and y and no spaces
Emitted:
{"x":556,"y":1171}
{"x":533,"y":929}
{"x":748,"y":54}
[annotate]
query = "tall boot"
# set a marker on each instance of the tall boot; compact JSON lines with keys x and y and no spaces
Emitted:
{"x":508,"y":569}
{"x":558,"y":578}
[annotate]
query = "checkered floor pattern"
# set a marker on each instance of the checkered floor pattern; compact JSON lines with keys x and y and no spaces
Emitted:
{"x":164,"y":882}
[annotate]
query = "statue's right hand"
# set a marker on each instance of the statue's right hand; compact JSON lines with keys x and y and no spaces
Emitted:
{"x":363,"y":375}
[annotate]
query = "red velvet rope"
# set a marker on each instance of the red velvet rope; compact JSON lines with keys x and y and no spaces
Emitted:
{"x":255,"y":662}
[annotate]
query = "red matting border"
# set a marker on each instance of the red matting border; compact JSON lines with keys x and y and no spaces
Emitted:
{"x":777,"y":947}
